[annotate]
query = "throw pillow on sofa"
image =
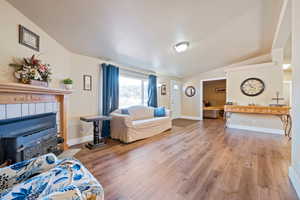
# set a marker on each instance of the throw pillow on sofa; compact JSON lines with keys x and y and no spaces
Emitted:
{"x":160,"y":112}
{"x":124,"y":111}
{"x":140,"y":112}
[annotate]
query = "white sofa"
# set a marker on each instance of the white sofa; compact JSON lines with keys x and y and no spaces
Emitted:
{"x":138,"y":124}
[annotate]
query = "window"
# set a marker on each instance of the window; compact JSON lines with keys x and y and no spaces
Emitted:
{"x":132,"y":91}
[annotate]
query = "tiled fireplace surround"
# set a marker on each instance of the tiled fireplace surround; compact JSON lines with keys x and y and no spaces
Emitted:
{"x":20,"y":100}
{"x":8,"y":111}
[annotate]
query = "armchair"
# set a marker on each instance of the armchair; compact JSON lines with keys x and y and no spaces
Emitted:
{"x":46,"y":177}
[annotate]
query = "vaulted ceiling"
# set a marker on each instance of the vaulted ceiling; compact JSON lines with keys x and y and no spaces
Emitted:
{"x":141,"y":33}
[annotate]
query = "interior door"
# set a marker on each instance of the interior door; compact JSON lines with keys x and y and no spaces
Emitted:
{"x":176,"y":90}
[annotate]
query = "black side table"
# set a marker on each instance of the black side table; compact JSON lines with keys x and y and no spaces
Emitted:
{"x":96,"y":122}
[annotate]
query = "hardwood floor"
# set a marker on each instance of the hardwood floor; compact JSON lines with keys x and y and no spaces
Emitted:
{"x":199,"y":161}
{"x":183,"y":122}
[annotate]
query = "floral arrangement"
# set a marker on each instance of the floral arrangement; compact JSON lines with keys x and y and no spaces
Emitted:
{"x":31,"y":69}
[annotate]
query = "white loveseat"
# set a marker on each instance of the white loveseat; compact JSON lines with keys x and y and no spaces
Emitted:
{"x":138,"y":124}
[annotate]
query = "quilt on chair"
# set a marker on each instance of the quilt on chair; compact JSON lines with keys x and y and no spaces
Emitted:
{"x":48,"y":179}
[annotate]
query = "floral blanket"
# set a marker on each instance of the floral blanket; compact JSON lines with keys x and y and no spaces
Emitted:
{"x":49,"y":179}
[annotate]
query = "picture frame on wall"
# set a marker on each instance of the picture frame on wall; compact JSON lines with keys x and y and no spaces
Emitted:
{"x":220,"y":90}
{"x":163,"y":89}
{"x":87,"y":82}
{"x":28,"y":38}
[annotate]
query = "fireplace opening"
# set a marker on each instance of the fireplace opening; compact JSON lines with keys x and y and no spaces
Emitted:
{"x":26,"y":137}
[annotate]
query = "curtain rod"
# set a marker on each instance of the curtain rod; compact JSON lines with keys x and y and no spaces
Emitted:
{"x":134,"y":72}
{"x":133,"y":69}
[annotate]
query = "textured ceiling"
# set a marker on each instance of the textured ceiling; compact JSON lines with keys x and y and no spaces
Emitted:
{"x":141,"y":33}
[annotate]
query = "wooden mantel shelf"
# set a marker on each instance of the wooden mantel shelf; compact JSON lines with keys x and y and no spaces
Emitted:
{"x":30,"y":89}
{"x":16,"y":93}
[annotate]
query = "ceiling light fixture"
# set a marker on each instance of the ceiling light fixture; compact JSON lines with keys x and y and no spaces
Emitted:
{"x":286,"y":66}
{"x":181,"y":46}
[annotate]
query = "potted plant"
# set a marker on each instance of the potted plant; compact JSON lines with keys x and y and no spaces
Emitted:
{"x":32,"y":71}
{"x":68,"y":83}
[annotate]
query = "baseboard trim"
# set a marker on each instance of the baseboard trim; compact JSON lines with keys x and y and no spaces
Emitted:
{"x":295,"y":179}
{"x":80,"y":140}
{"x":257,"y":129}
{"x":190,"y":117}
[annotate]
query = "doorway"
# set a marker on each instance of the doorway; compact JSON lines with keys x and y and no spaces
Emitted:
{"x":212,"y":98}
{"x":175,"y":98}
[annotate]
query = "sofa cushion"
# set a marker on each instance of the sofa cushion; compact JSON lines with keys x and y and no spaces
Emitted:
{"x":144,"y":123}
{"x":160,"y":112}
{"x":124,"y":111}
{"x":140,"y":112}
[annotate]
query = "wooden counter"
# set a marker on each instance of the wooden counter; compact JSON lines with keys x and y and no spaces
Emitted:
{"x":283,"y":112}
{"x":268,"y":110}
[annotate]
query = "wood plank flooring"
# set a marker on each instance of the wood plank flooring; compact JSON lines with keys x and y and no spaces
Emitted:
{"x":200,"y":161}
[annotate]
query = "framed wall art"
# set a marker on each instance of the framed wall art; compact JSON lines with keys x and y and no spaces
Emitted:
{"x":163,"y":89}
{"x":87,"y":82}
{"x":220,"y":90}
{"x":29,"y":38}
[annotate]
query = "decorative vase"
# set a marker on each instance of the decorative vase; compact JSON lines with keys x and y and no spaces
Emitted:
{"x":38,"y":83}
{"x":68,"y":86}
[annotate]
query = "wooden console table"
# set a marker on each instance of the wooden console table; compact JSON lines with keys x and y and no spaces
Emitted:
{"x":16,"y":93}
{"x":283,"y":112}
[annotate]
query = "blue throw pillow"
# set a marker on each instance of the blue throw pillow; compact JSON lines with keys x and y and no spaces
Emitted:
{"x":160,"y":112}
{"x":124,"y":111}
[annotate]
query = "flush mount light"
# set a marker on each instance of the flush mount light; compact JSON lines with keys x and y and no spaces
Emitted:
{"x":181,"y":46}
{"x":286,"y":66}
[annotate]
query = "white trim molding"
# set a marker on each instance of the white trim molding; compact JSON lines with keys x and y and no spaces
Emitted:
{"x":214,"y":79}
{"x":257,"y":129}
{"x":80,"y":140}
{"x":295,"y":179}
{"x":247,"y":67}
{"x":284,"y":26}
{"x":191,"y":118}
{"x":201,"y":92}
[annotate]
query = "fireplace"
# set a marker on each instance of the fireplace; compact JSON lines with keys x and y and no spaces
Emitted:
{"x":24,"y":105}
{"x":23,"y":138}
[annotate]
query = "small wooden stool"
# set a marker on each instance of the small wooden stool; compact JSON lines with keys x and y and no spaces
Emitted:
{"x":96,"y":122}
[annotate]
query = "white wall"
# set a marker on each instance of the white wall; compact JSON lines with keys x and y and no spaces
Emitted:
{"x":83,"y":103}
{"x":64,"y":63}
{"x":50,"y":51}
{"x":294,"y":171}
{"x":191,"y":105}
{"x":272,"y":76}
{"x":287,"y":75}
{"x":287,"y":87}
{"x":165,"y":100}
